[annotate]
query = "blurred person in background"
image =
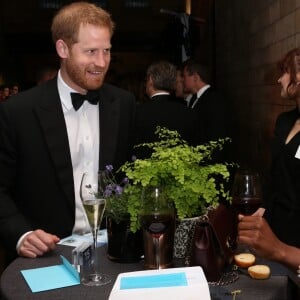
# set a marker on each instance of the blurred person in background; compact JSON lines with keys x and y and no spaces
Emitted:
{"x":206,"y":102}
{"x":46,"y":73}
{"x":14,"y":89}
{"x":180,"y":94}
{"x":163,"y":109}
{"x":5,"y":92}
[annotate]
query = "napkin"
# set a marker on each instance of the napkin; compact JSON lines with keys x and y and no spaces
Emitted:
{"x":52,"y":277}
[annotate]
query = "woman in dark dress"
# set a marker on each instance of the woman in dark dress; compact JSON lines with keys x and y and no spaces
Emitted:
{"x":276,"y":235}
{"x":282,"y":200}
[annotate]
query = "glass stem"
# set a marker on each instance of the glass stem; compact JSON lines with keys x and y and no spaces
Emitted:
{"x":95,"y":236}
{"x":157,"y":252}
{"x":95,"y":233}
{"x":97,"y":277}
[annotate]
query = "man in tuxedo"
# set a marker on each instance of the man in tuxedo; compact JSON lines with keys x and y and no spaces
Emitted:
{"x":206,"y":102}
{"x":163,"y":109}
{"x":50,"y":136}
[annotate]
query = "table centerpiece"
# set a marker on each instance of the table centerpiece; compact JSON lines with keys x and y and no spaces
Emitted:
{"x":188,"y":175}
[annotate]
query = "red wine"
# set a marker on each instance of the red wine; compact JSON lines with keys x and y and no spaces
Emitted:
{"x":156,"y":224}
{"x":158,"y":246}
{"x":246,"y":205}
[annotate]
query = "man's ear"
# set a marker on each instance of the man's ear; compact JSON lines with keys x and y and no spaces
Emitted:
{"x":62,"y":49}
{"x":150,"y":80}
{"x":196,"y":77}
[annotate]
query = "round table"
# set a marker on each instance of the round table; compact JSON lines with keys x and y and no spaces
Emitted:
{"x":14,"y":287}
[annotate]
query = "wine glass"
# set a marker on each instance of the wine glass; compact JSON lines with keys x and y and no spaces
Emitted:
{"x":157,"y":219}
{"x":246,"y":196}
{"x":246,"y":192}
{"x":92,"y":195}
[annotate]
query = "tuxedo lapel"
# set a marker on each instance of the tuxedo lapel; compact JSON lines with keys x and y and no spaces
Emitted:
{"x":52,"y":122}
{"x":203,"y":100}
{"x":109,"y":110}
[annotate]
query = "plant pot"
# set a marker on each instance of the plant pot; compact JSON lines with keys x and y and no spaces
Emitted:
{"x":183,"y":234}
{"x":123,"y":245}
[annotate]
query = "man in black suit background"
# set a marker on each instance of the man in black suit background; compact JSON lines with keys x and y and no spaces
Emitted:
{"x":163,"y":109}
{"x":206,"y":102}
{"x":47,"y":141}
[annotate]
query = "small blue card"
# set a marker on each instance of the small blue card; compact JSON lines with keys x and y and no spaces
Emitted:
{"x":53,"y":277}
{"x":154,"y":281}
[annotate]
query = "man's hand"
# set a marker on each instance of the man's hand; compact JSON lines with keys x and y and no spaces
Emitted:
{"x":37,"y":243}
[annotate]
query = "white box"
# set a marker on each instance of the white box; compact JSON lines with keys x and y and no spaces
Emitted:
{"x":189,"y":284}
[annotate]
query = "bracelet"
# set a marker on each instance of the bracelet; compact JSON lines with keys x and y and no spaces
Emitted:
{"x":298,"y":271}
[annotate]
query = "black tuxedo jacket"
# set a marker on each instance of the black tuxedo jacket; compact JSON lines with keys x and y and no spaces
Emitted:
{"x":165,"y":111}
{"x":36,"y":177}
{"x":212,"y":116}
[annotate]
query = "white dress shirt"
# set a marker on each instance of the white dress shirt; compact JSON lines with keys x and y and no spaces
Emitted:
{"x":159,"y":93}
{"x":83,"y":133}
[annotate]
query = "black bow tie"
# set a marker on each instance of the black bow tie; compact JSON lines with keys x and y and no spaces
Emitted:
{"x":77,"y":99}
{"x":192,"y":101}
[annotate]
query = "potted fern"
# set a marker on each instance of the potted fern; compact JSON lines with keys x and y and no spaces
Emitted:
{"x":189,"y":177}
{"x":191,"y":180}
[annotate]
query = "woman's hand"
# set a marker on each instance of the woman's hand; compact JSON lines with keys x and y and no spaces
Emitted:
{"x":255,"y":232}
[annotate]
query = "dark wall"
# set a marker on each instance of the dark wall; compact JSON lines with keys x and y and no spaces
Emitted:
{"x":25,"y":40}
{"x":251,"y":36}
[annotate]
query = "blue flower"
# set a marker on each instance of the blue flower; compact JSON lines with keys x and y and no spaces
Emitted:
{"x":125,"y":180}
{"x":116,"y":204}
{"x":119,"y":190}
{"x":113,"y":188}
{"x":109,"y":168}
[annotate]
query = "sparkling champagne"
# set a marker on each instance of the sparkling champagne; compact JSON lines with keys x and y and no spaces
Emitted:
{"x":94,"y":210}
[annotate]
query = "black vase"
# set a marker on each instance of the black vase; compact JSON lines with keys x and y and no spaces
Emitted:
{"x":123,"y":245}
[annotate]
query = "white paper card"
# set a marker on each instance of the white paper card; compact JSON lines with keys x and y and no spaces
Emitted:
{"x":76,"y":240}
{"x":176,"y":283}
{"x":297,"y":155}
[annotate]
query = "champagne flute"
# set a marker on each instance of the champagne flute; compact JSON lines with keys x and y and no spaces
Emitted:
{"x":92,"y":195}
{"x":246,"y":196}
{"x":157,"y":219}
